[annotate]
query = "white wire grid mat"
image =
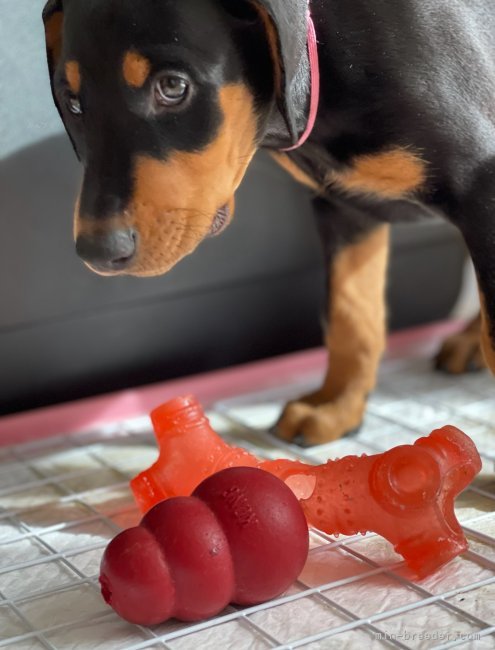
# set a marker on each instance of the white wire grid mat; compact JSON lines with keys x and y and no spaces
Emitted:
{"x":62,"y":500}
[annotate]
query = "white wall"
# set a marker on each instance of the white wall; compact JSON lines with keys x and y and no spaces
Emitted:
{"x":27,"y":113}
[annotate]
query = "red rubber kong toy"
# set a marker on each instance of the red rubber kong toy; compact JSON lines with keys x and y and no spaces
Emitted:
{"x":241,"y":537}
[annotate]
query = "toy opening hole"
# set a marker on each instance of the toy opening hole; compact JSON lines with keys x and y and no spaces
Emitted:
{"x":303,"y":485}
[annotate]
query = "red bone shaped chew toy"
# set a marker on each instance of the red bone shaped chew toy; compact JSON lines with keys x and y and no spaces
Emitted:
{"x":405,"y":494}
{"x":240,"y":537}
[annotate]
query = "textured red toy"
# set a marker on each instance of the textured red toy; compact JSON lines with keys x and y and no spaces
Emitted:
{"x":406,"y":494}
{"x":190,"y":451}
{"x":241,"y":537}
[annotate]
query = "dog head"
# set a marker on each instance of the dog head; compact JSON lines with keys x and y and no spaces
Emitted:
{"x":166,"y":102}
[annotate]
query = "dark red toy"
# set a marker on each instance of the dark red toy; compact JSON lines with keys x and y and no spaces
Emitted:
{"x":405,"y":494}
{"x":241,"y":537}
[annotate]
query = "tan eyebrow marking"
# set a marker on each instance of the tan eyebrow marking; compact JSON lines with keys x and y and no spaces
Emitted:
{"x":73,"y":75}
{"x":136,"y":69}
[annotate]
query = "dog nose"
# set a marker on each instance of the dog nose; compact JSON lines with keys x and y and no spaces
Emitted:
{"x":112,"y":251}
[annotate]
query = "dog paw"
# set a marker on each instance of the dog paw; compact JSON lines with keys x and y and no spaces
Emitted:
{"x":460,"y":353}
{"x":310,"y":424}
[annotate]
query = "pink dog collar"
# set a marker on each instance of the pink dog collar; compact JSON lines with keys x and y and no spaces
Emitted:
{"x":315,"y":85}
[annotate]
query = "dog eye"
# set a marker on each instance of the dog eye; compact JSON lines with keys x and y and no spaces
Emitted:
{"x":74,"y":106}
{"x":171,"y":90}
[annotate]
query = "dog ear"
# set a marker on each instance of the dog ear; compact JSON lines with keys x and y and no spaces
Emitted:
{"x":286,"y":25}
{"x":53,"y":19}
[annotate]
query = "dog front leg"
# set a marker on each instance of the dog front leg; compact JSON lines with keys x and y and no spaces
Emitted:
{"x":476,"y":219}
{"x":357,"y":253}
{"x":461,"y":352}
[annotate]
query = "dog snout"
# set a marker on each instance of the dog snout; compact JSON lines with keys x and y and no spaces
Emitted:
{"x":109,"y":251}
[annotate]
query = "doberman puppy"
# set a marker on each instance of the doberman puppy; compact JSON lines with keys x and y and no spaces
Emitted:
{"x":166,"y":102}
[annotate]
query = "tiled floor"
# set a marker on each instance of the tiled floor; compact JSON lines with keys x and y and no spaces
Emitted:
{"x":62,"y":499}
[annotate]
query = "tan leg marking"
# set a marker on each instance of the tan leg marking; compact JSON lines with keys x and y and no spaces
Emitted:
{"x":293,"y":170}
{"x":73,"y":75}
{"x":136,"y":69}
{"x":355,"y":342}
{"x":461,"y":352}
{"x":389,"y":174}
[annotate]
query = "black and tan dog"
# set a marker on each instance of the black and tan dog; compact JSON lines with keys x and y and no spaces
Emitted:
{"x":166,"y":102}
